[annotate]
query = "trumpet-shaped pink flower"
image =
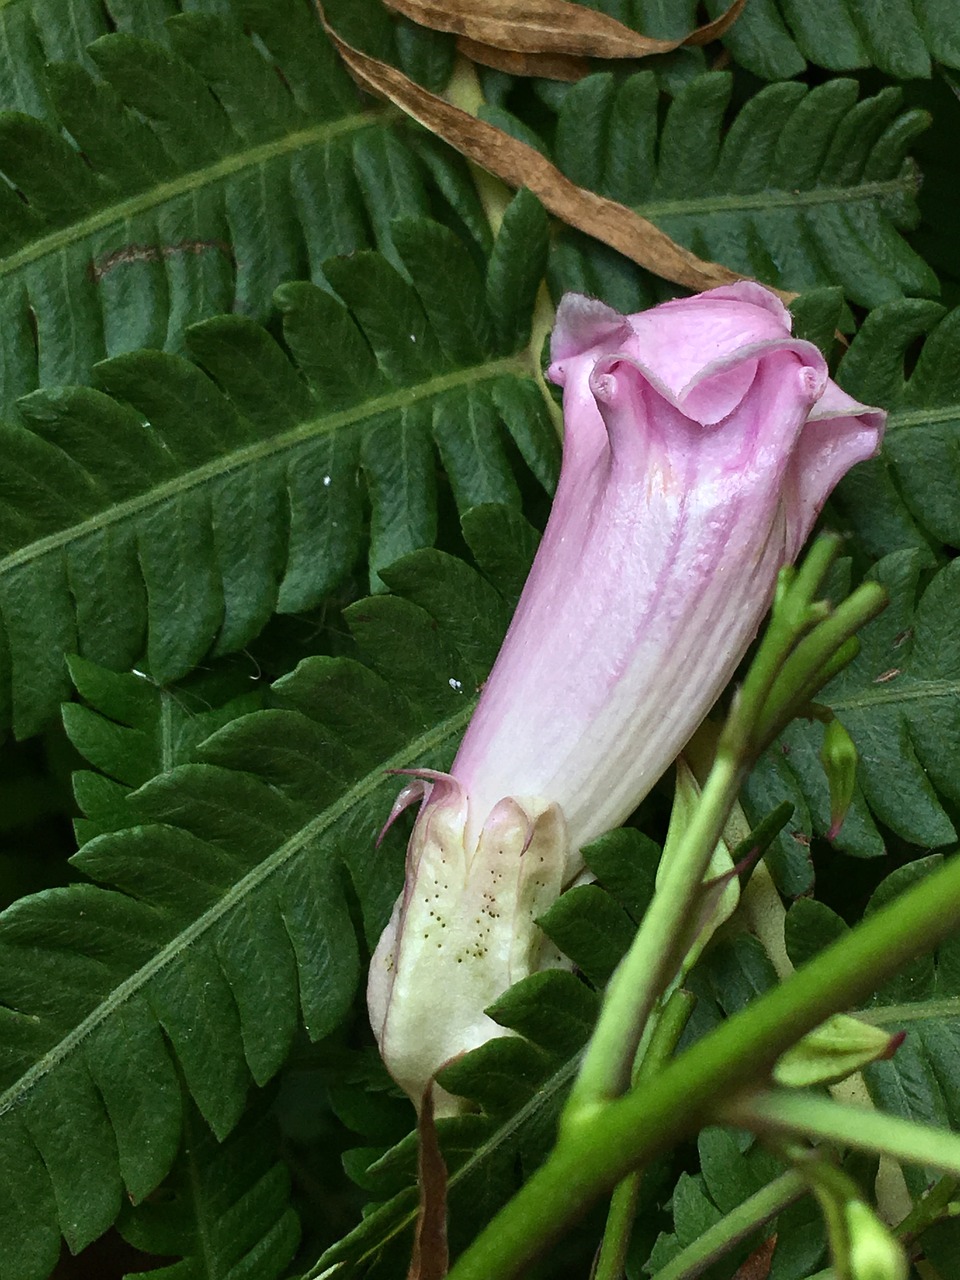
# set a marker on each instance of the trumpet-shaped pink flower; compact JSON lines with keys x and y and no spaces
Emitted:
{"x":700,"y":442}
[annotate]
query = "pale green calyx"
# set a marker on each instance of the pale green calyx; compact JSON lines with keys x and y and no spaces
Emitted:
{"x":463,"y":931}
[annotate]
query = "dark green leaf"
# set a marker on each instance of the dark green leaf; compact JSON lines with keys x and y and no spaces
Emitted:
{"x":174,"y":514}
{"x":225,"y":1207}
{"x":806,"y":189}
{"x":589,"y":927}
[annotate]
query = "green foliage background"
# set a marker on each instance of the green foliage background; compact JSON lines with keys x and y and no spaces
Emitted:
{"x":275,"y":455}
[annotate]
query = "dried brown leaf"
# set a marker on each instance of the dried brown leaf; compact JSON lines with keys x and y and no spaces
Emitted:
{"x":715,"y":29}
{"x":757,"y":1266}
{"x":431,"y":1258}
{"x":548,"y":66}
{"x":520,"y":165}
{"x":550,"y":26}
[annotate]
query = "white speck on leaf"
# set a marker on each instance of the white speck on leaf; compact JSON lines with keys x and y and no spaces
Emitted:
{"x":455,"y":684}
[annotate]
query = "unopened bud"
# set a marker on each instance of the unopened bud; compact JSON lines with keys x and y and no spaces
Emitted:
{"x":874,"y":1252}
{"x":838,"y":756}
{"x":834,"y":1050}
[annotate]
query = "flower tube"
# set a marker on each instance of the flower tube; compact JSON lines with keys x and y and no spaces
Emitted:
{"x":700,"y":442}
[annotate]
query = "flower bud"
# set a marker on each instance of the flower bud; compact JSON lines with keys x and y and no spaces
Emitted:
{"x":838,"y":755}
{"x":700,"y":441}
{"x":873,"y":1253}
{"x":834,"y":1050}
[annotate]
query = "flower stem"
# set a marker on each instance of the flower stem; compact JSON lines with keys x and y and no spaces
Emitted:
{"x":651,"y":961}
{"x":817,"y":657}
{"x":934,"y":1207}
{"x":623,"y":1203}
{"x":791,"y":1112}
{"x":940,"y":1202}
{"x":628,"y":1132}
{"x":735,"y":1226}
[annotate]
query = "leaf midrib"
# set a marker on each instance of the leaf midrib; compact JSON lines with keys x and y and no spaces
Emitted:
{"x":922,"y":1011}
{"x":917,"y":690}
{"x":744,"y":202}
{"x":194,"y":179}
{"x":237,"y":459}
{"x":451,"y":727}
{"x":898,"y":419}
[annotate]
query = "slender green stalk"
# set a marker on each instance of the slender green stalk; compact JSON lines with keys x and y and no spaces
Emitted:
{"x":940,"y":1202}
{"x":651,"y":961}
{"x":891,"y":1015}
{"x":464,"y":91}
{"x":788,"y":1111}
{"x":623,"y":1203}
{"x":817,"y":658}
{"x":612,"y":1259}
{"x":799,"y":646}
{"x":936,"y":1205}
{"x":628,"y":1132}
{"x":794,"y":614}
{"x":734,"y":1227}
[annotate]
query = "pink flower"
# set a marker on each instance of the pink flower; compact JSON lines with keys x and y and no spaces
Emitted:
{"x":701,"y":440}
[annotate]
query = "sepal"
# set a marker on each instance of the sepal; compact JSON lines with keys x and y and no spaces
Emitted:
{"x":463,"y":931}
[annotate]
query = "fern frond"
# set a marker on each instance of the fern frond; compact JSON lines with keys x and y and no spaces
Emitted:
{"x":223,"y":918}
{"x":225,"y":1210}
{"x":184,"y":168}
{"x":131,"y":730}
{"x":172,"y":511}
{"x":910,"y":495}
{"x":775,"y":37}
{"x":803,"y":188}
{"x":733,"y":1167}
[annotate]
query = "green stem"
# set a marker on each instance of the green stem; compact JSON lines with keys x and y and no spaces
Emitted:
{"x":827,"y":649}
{"x":628,"y":1132}
{"x":734,"y":1227}
{"x":786,"y":1111}
{"x":937,"y":1204}
{"x":933,"y":1208}
{"x":652,"y":959}
{"x":794,"y":614}
{"x":616,"y":1234}
{"x":464,"y":91}
{"x":544,"y":314}
{"x":623,"y":1203}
